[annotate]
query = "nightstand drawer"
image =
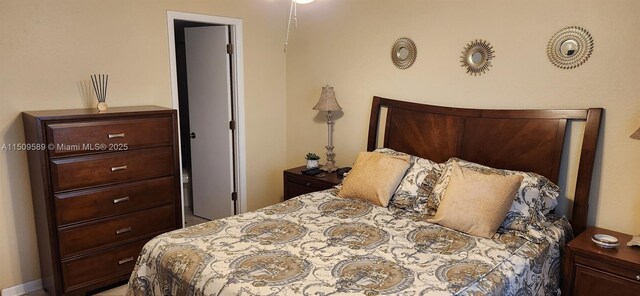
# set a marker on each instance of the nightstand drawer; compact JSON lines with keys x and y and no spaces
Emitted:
{"x":116,"y":230}
{"x":298,"y":185}
{"x":294,"y":189}
{"x":589,"y":281}
{"x":80,"y":137}
{"x":310,"y":182}
{"x":621,"y":271}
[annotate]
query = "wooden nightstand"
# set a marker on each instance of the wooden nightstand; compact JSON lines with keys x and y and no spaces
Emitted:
{"x":295,"y":183}
{"x":591,"y":270}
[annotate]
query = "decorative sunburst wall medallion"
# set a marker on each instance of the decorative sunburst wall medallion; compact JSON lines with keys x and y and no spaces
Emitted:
{"x":570,"y":47}
{"x":404,"y":53}
{"x":477,"y":56}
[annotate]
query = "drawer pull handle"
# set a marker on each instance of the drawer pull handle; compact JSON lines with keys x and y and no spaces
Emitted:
{"x":308,"y":184}
{"x":120,"y":135}
{"x":125,"y":260}
{"x":123,"y":230}
{"x":119,"y":200}
{"x":119,"y":168}
{"x":638,"y":277}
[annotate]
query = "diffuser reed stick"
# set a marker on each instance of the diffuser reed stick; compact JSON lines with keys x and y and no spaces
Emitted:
{"x":100,"y":82}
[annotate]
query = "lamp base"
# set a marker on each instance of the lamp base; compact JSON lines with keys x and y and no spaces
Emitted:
{"x":329,"y":168}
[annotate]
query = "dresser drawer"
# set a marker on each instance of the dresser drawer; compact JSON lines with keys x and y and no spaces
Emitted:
{"x":109,"y":168}
{"x":77,"y":206}
{"x":113,"y":263}
{"x":119,"y":229}
{"x":81,"y":137}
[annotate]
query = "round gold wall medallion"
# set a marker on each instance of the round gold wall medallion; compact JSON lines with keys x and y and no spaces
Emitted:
{"x":570,"y":47}
{"x":404,"y":53}
{"x":477,"y":56}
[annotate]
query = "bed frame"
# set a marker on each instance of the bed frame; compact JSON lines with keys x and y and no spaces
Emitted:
{"x":523,"y":140}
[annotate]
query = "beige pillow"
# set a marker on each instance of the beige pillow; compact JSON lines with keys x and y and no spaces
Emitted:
{"x":374,"y":177}
{"x":475,"y":202}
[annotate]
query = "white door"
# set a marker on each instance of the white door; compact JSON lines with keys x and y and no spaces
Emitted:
{"x":208,"y":82}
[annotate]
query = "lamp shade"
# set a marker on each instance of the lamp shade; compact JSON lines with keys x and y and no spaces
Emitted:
{"x":327,"y":101}
{"x":636,"y":135}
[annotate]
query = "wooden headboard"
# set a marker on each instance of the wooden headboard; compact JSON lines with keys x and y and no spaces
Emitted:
{"x":523,"y":140}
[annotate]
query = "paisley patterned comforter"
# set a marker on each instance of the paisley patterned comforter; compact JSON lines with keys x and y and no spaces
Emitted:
{"x":319,"y":244}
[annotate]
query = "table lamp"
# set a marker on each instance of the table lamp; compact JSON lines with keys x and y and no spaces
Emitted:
{"x":635,"y":241}
{"x":328,"y":102}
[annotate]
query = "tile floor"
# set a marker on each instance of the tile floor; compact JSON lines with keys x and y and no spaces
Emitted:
{"x":190,"y":219}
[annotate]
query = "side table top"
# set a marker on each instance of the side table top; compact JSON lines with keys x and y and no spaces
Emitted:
{"x":622,"y":253}
{"x":330,"y":177}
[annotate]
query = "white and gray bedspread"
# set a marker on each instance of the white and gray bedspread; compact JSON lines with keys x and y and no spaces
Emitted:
{"x":320,"y":244}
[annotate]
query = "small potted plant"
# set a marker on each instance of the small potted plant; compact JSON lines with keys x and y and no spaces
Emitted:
{"x":312,"y":160}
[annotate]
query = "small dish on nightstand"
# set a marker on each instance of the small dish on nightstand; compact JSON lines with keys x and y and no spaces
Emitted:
{"x":605,"y":241}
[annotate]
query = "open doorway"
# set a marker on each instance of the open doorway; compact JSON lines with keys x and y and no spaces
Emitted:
{"x":207,"y":90}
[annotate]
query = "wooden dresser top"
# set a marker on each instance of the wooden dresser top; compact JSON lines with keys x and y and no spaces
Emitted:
{"x":112,"y":111}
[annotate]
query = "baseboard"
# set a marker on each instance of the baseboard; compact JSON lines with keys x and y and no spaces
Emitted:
{"x":23,"y":288}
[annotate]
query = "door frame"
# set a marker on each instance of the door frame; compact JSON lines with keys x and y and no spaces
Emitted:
{"x":237,"y":90}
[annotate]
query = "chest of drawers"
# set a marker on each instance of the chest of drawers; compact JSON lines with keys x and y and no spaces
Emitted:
{"x":103,"y":184}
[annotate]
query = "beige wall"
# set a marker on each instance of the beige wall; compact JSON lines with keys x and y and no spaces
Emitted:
{"x":347,"y":44}
{"x":48,"y":47}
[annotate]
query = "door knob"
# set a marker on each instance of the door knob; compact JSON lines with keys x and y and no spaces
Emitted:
{"x":192,"y":135}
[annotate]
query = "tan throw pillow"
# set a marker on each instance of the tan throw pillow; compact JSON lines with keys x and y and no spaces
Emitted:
{"x":374,"y":177}
{"x":475,"y":202}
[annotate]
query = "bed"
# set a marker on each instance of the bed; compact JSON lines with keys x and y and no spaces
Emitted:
{"x":321,"y":244}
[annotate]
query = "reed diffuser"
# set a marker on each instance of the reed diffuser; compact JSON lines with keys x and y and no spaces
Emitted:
{"x":100,"y":82}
